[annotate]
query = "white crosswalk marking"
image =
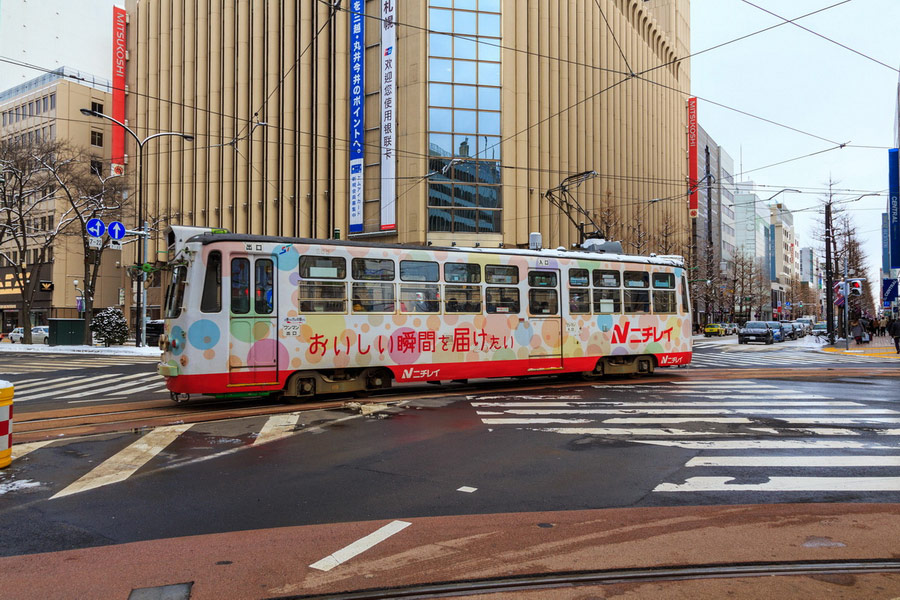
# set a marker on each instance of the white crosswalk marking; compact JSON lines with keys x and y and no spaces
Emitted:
{"x":767,"y":429}
{"x":95,"y":387}
{"x":769,"y":357}
{"x":277,"y":427}
{"x":124,"y":464}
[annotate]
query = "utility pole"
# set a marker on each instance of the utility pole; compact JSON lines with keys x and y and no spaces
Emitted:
{"x":829,"y":275}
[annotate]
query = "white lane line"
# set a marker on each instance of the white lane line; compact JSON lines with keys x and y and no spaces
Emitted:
{"x":26,"y":383}
{"x":20,"y":450}
{"x":113,"y":385}
{"x":794,"y":461}
{"x":734,"y":382}
{"x":789,"y":420}
{"x":277,"y":427}
{"x":467,"y":489}
{"x":123,"y":465}
{"x":23,"y":392}
{"x":700,"y":411}
{"x":785,"y":484}
{"x":533,"y":421}
{"x":654,"y":404}
{"x":610,"y":431}
{"x":141,"y":387}
{"x":767,"y":444}
{"x":360,"y":546}
{"x":77,"y":384}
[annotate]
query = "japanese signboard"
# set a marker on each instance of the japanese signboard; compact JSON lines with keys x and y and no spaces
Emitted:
{"x":693,"y":161}
{"x":357,"y":112}
{"x":388,"y":115}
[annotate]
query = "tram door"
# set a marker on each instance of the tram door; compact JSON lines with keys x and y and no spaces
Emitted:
{"x":545,"y":317}
{"x":253,"y":327}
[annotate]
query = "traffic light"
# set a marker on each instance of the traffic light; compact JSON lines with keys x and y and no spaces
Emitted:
{"x":855,"y":287}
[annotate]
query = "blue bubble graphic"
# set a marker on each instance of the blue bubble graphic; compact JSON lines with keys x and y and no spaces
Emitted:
{"x":203,"y":334}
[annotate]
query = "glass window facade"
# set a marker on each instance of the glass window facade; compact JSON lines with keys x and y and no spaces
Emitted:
{"x":464,"y":116}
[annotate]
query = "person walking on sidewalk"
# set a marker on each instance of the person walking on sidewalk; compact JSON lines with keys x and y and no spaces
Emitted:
{"x":894,"y":332}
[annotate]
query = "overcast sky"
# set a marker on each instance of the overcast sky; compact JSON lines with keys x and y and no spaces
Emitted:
{"x":800,"y":80}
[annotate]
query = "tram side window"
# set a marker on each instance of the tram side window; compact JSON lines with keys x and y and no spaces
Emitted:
{"x":211,"y":300}
{"x":322,"y":297}
{"x":607,"y":301}
{"x":579,"y":296}
{"x":542,"y":279}
{"x":462,"y":298}
{"x":419,"y":270}
{"x":637,"y":300}
{"x":175,"y":293}
{"x":543,"y":302}
{"x":462,"y":273}
{"x":606,"y":279}
{"x":421,"y":298}
{"x":373,"y":297}
{"x":373,"y":269}
{"x":502,"y":300}
{"x":504,"y":274}
{"x":240,"y":286}
{"x":664,"y":293}
{"x":323,"y":267}
{"x":264,"y":300}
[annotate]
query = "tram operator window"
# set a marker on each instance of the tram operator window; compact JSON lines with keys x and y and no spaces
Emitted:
{"x":211,"y":300}
{"x":637,"y":293}
{"x":462,"y":273}
{"x":543,"y":302}
{"x":175,"y":293}
{"x":579,"y":295}
{"x":607,"y":292}
{"x":264,"y":300}
{"x":322,"y":296}
{"x":664,"y":293}
{"x":240,"y":286}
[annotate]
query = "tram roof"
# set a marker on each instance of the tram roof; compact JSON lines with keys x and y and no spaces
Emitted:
{"x":670,"y":260}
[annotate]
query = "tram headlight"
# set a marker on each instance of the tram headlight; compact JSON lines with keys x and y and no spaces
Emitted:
{"x":163,"y":342}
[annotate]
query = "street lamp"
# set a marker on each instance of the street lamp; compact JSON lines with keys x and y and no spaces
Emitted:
{"x":140,"y":333}
{"x":781,"y":192}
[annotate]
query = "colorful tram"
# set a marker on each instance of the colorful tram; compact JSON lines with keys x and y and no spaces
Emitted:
{"x":254,"y":315}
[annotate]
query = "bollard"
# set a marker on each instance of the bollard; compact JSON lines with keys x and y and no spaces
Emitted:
{"x":6,"y":420}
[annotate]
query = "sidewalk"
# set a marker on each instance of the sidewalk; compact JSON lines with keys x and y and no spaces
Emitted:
{"x":124,"y":350}
{"x":880,"y":347}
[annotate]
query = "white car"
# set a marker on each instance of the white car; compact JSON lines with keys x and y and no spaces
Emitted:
{"x":39,"y":335}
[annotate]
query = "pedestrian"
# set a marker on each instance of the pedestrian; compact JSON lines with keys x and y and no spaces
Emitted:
{"x":856,"y":330}
{"x":894,"y":332}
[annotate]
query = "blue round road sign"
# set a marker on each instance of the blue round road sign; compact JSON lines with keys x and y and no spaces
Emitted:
{"x":95,"y":227}
{"x":116,"y":230}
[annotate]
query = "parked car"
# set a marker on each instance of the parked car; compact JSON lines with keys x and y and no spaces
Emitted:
{"x":777,"y":331}
{"x":820,"y":329}
{"x":714,"y":329}
{"x":800,"y":328}
{"x":789,"y":331}
{"x":733,"y":328}
{"x":756,"y":331}
{"x":39,"y":335}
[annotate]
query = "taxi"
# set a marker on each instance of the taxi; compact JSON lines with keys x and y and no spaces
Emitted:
{"x":714,"y":329}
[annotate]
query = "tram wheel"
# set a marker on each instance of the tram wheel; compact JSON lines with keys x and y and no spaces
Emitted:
{"x":180,"y":398}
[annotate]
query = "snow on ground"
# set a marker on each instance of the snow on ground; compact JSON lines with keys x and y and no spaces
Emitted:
{"x":91,"y":350}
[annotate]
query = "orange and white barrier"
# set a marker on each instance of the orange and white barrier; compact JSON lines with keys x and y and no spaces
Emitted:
{"x":6,"y":419}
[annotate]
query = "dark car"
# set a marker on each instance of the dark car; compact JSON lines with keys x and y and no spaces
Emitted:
{"x":789,"y":332}
{"x":777,"y":330}
{"x":154,"y":330}
{"x":756,"y":331}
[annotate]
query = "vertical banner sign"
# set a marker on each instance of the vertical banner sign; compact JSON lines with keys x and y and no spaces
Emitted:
{"x":692,"y":157}
{"x":118,"y":90}
{"x":357,"y":113}
{"x":894,"y":204}
{"x":388,"y":116}
{"x":885,"y":244}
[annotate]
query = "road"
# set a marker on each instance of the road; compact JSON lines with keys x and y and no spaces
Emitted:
{"x":680,"y":438}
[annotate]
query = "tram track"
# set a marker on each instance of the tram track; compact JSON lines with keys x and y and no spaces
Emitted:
{"x":31,"y":426}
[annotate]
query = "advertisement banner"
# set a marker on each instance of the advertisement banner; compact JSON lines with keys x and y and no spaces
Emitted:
{"x":885,"y":243}
{"x":118,"y":89}
{"x":888,"y":290}
{"x":693,"y":164}
{"x":357,"y":112}
{"x":388,"y":116}
{"x":894,"y":205}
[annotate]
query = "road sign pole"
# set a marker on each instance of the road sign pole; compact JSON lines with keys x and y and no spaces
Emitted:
{"x":146,"y":234}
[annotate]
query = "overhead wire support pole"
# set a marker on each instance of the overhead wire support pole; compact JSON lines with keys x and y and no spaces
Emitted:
{"x":565,"y":201}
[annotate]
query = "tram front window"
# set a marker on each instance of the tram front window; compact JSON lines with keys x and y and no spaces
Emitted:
{"x":175,"y":293}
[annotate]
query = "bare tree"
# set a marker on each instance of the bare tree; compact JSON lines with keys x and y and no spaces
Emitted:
{"x":30,"y":220}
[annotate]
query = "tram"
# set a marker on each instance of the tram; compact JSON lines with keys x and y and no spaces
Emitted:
{"x":255,"y":315}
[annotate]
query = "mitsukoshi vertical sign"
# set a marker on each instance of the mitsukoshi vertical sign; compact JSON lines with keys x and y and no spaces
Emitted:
{"x":357,"y":112}
{"x":693,"y":160}
{"x":388,"y":115}
{"x":119,"y":49}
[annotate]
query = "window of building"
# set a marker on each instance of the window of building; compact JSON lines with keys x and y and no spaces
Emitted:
{"x":46,"y":103}
{"x":52,"y":101}
{"x":96,"y":107}
{"x":96,"y":167}
{"x":96,"y":138}
{"x":464,"y":116}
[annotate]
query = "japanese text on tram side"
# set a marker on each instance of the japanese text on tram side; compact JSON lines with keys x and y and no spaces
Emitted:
{"x":462,"y":340}
{"x":640,"y":334}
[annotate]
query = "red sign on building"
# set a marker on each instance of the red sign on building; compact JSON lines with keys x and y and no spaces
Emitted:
{"x":118,"y":88}
{"x":693,"y":161}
